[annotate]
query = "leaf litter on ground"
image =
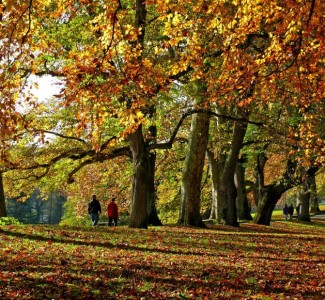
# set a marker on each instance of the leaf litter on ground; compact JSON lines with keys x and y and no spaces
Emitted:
{"x":282,"y":261}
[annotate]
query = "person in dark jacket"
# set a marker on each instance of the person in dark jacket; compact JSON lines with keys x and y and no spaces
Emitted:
{"x":290,"y":211}
{"x":112,"y":212}
{"x":94,"y":209}
{"x":285,"y":211}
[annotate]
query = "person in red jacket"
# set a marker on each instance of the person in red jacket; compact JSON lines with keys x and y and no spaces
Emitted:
{"x":112,"y":212}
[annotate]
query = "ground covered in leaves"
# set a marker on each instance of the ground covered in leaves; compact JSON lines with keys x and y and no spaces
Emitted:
{"x":282,"y":261}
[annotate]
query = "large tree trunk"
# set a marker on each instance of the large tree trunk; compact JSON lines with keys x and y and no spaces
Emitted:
{"x":153,"y":218}
{"x":3,"y":210}
{"x":243,"y":207}
{"x":228,"y":189}
{"x":270,"y":196}
{"x":193,"y":170}
{"x":139,"y":201}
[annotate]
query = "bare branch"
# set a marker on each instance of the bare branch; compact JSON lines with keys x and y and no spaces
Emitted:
{"x":59,"y":135}
{"x":169,"y":144}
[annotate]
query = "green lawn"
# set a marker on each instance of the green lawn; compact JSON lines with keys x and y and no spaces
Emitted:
{"x":283,"y":261}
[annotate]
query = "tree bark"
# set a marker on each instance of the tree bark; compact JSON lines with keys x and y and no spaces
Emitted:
{"x":192,"y":172}
{"x":259,"y":177}
{"x":139,"y":201}
{"x":273,"y":192}
{"x":3,"y":210}
{"x":304,"y":201}
{"x":243,"y":207}
{"x":228,"y":188}
{"x":314,"y":207}
{"x":269,"y":197}
{"x":153,"y":218}
{"x":216,"y":167}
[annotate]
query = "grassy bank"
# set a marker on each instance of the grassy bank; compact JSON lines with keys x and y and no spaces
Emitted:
{"x":282,"y":261}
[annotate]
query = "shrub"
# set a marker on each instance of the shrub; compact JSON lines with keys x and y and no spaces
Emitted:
{"x":9,"y":221}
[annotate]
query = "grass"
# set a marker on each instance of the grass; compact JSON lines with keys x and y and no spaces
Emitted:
{"x":282,"y":261}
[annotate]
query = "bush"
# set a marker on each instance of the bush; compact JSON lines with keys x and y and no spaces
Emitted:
{"x":9,"y":221}
{"x":76,"y":221}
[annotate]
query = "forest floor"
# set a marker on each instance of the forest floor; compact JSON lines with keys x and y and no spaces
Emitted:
{"x":283,"y":261}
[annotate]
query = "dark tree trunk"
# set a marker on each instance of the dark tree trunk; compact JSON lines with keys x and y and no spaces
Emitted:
{"x":193,"y":170}
{"x":3,"y":210}
{"x":243,"y":207}
{"x":273,"y":192}
{"x":140,"y":154}
{"x":259,"y":177}
{"x":139,"y":201}
{"x":228,"y":188}
{"x":304,"y":201}
{"x":314,"y":207}
{"x":153,"y":218}
{"x":270,"y":196}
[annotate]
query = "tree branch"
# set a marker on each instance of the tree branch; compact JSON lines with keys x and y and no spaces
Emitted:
{"x":169,"y":144}
{"x":59,"y":135}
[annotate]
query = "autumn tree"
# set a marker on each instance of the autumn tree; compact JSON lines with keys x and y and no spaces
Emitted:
{"x":117,"y":58}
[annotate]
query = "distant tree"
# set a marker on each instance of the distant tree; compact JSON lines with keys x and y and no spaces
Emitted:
{"x":36,"y":209}
{"x":243,"y":206}
{"x":3,"y":210}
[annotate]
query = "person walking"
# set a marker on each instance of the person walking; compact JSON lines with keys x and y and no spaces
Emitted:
{"x":112,"y":212}
{"x":94,"y":209}
{"x":285,"y":211}
{"x":290,"y":211}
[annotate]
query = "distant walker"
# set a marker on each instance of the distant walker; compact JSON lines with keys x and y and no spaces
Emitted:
{"x":112,"y":213}
{"x":94,"y":209}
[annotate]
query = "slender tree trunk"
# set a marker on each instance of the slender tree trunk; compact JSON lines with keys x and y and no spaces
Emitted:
{"x":259,"y":177}
{"x":153,"y":218}
{"x":3,"y":210}
{"x":314,"y":207}
{"x":193,"y":170}
{"x":139,"y":201}
{"x":243,"y":207}
{"x":228,"y":188}
{"x":215,"y":183}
